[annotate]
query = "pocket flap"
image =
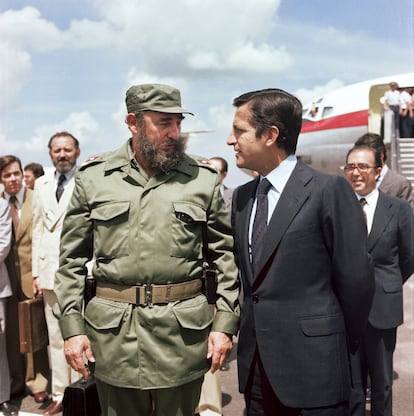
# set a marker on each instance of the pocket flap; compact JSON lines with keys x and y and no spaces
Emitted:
{"x":109,"y":211}
{"x":391,"y":287}
{"x":104,"y":314}
{"x":195,"y":316}
{"x":325,"y":325}
{"x":189,"y":212}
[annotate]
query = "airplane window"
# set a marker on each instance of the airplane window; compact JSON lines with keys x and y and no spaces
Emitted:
{"x":327,"y":111}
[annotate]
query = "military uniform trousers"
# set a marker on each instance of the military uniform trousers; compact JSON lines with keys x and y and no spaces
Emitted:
{"x":174,"y":401}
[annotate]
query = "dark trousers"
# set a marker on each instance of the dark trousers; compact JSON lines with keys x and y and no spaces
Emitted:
{"x":261,"y":400}
{"x":374,"y":358}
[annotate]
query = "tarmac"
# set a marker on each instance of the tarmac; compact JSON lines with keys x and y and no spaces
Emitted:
{"x":233,"y":402}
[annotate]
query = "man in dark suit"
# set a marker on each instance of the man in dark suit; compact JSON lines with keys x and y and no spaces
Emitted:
{"x":308,"y":294}
{"x":389,"y":181}
{"x":222,"y":168}
{"x":391,"y":245}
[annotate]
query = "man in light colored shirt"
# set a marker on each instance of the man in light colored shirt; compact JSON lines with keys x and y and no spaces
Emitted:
{"x":52,"y":194}
{"x":391,"y":246}
{"x":307,"y":282}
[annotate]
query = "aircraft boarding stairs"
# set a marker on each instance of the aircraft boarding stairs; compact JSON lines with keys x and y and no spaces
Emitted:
{"x":407,"y":158}
{"x":401,"y":149}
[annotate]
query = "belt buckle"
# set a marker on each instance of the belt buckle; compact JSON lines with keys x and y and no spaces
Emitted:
{"x":147,"y":295}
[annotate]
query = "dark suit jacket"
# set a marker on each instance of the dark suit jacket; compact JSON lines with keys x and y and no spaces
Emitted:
{"x":227,"y":196}
{"x":312,"y":296}
{"x":391,"y":245}
{"x":397,"y":185}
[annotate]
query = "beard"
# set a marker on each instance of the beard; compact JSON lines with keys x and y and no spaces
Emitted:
{"x":159,"y":159}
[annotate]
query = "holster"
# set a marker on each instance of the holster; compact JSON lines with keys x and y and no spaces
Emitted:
{"x":210,"y":285}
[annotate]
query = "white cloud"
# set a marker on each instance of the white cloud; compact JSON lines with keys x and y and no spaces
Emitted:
{"x":243,"y":58}
{"x":25,"y":29}
{"x":307,"y":95}
{"x":13,"y":74}
{"x":81,"y":125}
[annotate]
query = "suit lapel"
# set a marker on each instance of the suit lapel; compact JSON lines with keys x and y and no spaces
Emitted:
{"x":382,"y":216}
{"x":291,"y":200}
{"x":26,"y":215}
{"x":246,"y":201}
{"x":56,"y":209}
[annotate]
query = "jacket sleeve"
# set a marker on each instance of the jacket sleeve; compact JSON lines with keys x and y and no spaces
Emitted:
{"x":220,"y":248}
{"x":406,"y":241}
{"x":5,"y":230}
{"x":75,"y":252}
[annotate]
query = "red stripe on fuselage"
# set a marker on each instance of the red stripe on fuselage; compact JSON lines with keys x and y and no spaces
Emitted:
{"x":355,"y":119}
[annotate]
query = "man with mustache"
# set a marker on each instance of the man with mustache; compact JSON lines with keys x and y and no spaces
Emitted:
{"x":52,"y":194}
{"x":150,"y":216}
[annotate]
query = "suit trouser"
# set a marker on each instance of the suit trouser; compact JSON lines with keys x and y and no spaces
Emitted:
{"x":4,"y":365}
{"x":17,"y":367}
{"x":37,"y":371}
{"x":62,"y":373}
{"x":374,"y":358}
{"x":210,"y":397}
{"x":174,"y":401}
{"x":261,"y":400}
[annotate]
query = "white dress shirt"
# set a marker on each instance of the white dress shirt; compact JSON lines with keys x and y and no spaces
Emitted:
{"x":278,"y":177}
{"x":369,"y":208}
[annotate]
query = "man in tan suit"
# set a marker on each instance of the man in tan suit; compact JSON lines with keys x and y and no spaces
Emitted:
{"x":52,"y":194}
{"x":19,"y":264}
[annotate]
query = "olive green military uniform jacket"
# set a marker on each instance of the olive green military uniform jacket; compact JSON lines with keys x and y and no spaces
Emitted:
{"x":143,"y":230}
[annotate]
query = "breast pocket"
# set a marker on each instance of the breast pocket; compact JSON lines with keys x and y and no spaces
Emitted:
{"x":111,"y":229}
{"x":186,"y":230}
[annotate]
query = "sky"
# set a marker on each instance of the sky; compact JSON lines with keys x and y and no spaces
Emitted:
{"x":67,"y":64}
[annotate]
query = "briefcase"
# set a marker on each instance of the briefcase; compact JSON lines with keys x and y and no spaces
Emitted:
{"x":81,"y":398}
{"x":32,"y":325}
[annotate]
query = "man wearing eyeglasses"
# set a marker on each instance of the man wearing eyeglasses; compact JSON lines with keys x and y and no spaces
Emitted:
{"x":389,"y":181}
{"x":391,"y":245}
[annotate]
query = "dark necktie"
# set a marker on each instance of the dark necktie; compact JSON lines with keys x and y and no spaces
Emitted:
{"x":14,"y":212}
{"x":60,"y":188}
{"x":260,"y":220}
{"x":363,"y":202}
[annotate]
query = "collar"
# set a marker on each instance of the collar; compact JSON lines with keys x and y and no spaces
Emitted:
{"x":19,"y":196}
{"x":123,"y":157}
{"x":384,"y":171}
{"x":371,"y":198}
{"x":279,"y":176}
{"x":68,"y":175}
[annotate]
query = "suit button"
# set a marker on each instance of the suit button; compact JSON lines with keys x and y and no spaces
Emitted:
{"x":255,"y":299}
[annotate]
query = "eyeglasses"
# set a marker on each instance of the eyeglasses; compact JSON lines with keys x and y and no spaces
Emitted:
{"x":362,"y":167}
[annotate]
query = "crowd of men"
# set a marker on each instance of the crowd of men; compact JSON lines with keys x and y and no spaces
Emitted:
{"x":307,"y":268}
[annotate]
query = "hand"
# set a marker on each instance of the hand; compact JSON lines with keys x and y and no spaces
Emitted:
{"x":78,"y":352}
{"x":37,"y":290}
{"x":219,"y":348}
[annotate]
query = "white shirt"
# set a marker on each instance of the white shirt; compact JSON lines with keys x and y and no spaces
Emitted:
{"x":68,"y":177}
{"x":392,"y":97}
{"x":19,"y":199}
{"x":405,"y":98}
{"x":278,"y":177}
{"x":384,"y":171}
{"x":369,"y":208}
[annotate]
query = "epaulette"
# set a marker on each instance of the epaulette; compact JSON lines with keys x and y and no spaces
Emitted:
{"x":205,"y":163}
{"x":91,"y":161}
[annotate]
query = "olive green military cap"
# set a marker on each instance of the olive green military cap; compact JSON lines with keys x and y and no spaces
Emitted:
{"x":154,"y":97}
